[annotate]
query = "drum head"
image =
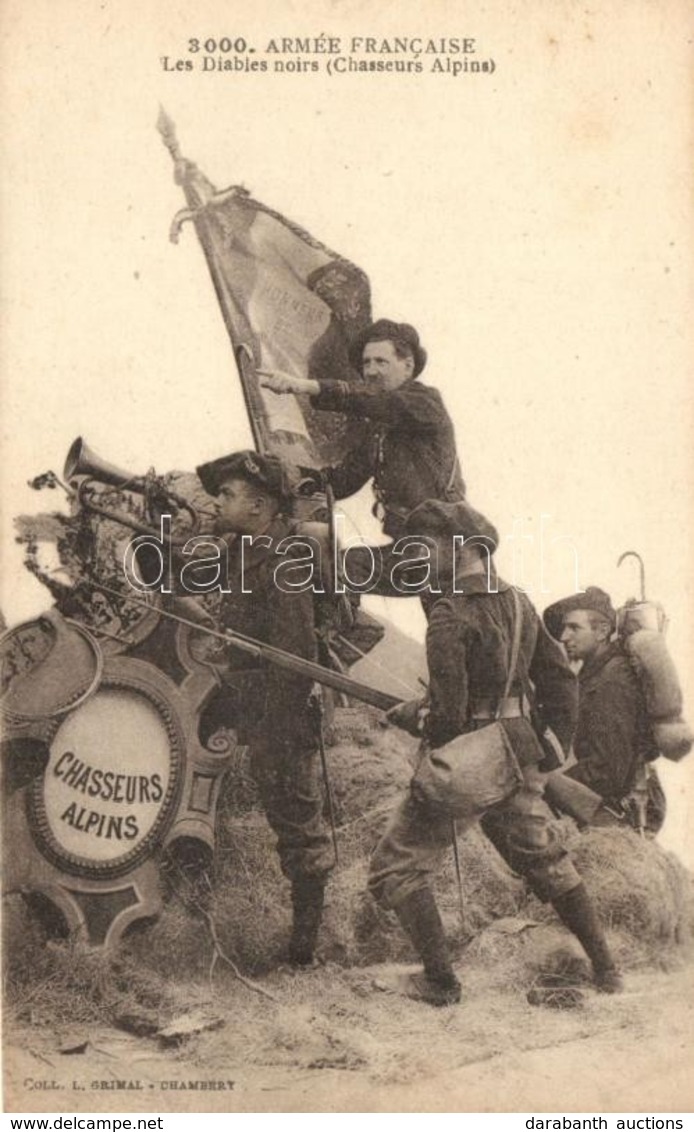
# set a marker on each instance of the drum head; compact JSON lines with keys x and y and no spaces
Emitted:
{"x":111,"y":782}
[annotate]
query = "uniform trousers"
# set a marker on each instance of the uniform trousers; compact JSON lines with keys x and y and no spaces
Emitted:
{"x":286,"y":775}
{"x":521,"y":827}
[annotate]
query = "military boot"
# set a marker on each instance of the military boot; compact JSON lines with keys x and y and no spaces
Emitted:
{"x":420,"y":920}
{"x":308,"y":894}
{"x":577,"y":911}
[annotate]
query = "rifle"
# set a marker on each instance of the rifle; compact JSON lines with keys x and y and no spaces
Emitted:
{"x":567,"y":795}
{"x":273,"y":655}
{"x":572,"y":797}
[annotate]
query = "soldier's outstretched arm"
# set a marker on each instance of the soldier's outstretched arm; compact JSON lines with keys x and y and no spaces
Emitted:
{"x":412,"y":407}
{"x":410,"y":715}
{"x":280,"y":382}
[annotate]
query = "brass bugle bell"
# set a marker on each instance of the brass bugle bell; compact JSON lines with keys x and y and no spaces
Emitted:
{"x":83,"y":464}
{"x":82,"y":460}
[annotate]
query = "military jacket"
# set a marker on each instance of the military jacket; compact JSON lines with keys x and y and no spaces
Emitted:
{"x":614,"y":737}
{"x":469,"y":641}
{"x":271,"y":701}
{"x":408,"y":447}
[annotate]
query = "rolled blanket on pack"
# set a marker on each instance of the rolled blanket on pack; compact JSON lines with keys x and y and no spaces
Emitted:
{"x":657,"y":674}
{"x":673,"y":738}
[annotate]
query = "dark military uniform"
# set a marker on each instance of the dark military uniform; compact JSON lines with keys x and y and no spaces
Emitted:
{"x":470,"y":644}
{"x":613,"y":736}
{"x":469,"y":640}
{"x":269,"y":705}
{"x":614,"y":742}
{"x":408,"y":448}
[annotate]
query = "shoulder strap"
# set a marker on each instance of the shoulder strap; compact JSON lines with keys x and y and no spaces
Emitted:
{"x":515,"y":648}
{"x":529,"y":693}
{"x":456,"y":473}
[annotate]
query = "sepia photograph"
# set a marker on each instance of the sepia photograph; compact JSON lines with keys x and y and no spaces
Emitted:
{"x":346,"y":612}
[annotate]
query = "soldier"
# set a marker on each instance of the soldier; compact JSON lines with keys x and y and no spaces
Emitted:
{"x":614,"y":741}
{"x":269,"y":707}
{"x":408,"y":444}
{"x":469,"y":644}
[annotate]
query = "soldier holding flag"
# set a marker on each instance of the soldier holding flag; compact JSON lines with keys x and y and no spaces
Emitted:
{"x":408,"y":443}
{"x":298,"y":318}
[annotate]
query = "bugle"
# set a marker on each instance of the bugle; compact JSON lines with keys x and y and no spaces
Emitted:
{"x":84,"y":468}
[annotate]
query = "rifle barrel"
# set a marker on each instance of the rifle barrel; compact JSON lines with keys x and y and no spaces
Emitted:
{"x":279,"y":657}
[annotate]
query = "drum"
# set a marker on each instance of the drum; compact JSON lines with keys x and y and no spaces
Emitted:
{"x":113,"y":777}
{"x":47,"y":667}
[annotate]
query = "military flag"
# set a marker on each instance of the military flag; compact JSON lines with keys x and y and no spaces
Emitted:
{"x":289,"y":303}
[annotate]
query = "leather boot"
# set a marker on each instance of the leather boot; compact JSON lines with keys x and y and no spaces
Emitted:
{"x":420,"y":920}
{"x":308,"y":894}
{"x":577,"y":911}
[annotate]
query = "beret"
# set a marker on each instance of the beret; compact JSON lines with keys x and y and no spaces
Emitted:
{"x":387,"y":331}
{"x":264,"y":472}
{"x":438,"y":517}
{"x":593,"y":599}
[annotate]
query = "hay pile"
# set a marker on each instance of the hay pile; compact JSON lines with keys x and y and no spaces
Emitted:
{"x":51,"y":982}
{"x":370,"y":767}
{"x":643,"y":894}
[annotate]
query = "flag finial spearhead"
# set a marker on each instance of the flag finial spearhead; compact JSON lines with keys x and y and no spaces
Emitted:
{"x":167,"y":129}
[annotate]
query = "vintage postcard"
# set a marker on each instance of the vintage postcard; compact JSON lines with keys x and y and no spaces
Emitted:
{"x":376,"y":272}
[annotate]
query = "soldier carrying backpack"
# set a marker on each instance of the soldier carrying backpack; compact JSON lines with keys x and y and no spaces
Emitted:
{"x":629,"y":706}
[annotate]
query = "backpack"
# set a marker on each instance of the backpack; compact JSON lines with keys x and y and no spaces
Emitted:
{"x":641,"y":629}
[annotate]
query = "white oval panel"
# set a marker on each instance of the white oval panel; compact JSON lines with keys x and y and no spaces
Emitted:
{"x":107,"y":776}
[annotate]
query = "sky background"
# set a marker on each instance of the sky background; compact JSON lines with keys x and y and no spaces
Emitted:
{"x":534,"y":224}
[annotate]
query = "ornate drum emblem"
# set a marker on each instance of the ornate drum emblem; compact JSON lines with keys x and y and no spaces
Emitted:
{"x":112,"y":781}
{"x":47,"y":667}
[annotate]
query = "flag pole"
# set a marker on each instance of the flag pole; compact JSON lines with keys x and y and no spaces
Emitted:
{"x":198,"y":192}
